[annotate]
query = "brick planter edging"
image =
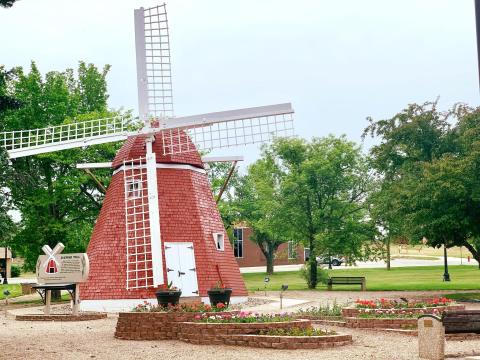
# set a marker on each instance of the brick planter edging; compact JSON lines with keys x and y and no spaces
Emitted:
{"x":61,"y":317}
{"x":246,"y":334}
{"x":354,"y":311}
{"x":202,"y":331}
{"x":288,"y":342}
{"x":379,"y":323}
{"x":153,"y":325}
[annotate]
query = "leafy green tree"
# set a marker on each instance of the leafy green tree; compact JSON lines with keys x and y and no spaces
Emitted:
{"x":428,"y":162}
{"x":57,"y":202}
{"x":259,"y":203}
{"x":7,"y":3}
{"x":324,"y":187}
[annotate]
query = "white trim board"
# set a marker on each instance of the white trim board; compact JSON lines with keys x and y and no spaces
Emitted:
{"x":167,"y":166}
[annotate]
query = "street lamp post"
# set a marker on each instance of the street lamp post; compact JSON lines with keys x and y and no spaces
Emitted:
{"x":477,"y":25}
{"x":446,"y":275}
{"x":5,"y":280}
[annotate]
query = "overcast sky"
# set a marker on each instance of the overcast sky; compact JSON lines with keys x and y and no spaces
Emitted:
{"x":336,"y":61}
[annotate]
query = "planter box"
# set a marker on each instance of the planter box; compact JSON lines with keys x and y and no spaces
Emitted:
{"x":354,"y":311}
{"x":374,"y":323}
{"x":153,"y":325}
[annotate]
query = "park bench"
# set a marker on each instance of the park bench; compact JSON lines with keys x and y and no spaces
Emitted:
{"x":347,"y":280}
{"x":461,"y":321}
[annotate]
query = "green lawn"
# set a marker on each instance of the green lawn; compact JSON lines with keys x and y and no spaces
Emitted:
{"x":404,"y":278}
{"x":464,"y":296}
{"x":15,"y":290}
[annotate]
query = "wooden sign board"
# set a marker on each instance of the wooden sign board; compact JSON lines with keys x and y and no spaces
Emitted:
{"x":62,"y":268}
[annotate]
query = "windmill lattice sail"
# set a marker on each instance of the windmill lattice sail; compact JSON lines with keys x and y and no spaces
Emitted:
{"x":154,"y":73}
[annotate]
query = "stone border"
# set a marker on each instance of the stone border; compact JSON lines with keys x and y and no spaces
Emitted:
{"x":289,"y":342}
{"x":153,"y":325}
{"x":381,"y":323}
{"x":61,"y":317}
{"x":354,"y":311}
{"x":246,"y":334}
{"x":208,"y":331}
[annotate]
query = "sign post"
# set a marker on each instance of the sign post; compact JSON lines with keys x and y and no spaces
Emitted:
{"x":56,"y":270}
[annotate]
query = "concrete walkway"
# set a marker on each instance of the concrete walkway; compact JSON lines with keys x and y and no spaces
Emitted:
{"x":438,"y":261}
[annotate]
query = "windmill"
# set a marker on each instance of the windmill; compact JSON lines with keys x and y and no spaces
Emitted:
{"x":159,"y":222}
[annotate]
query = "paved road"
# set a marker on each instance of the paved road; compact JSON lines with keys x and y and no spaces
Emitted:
{"x":373,"y":264}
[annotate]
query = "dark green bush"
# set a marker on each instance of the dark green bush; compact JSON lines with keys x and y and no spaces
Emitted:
{"x":16,"y":271}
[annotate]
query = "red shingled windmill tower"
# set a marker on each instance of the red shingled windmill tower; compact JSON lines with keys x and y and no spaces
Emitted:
{"x":159,"y":221}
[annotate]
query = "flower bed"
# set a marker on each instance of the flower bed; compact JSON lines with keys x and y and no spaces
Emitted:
{"x":433,"y":306}
{"x":243,"y":317}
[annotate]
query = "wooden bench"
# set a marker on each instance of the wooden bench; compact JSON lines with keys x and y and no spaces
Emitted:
{"x":347,"y":280}
{"x":461,"y":321}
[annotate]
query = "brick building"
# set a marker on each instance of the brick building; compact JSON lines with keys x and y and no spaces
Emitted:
{"x":5,"y":263}
{"x":249,"y":254}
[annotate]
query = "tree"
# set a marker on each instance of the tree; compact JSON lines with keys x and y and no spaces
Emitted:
{"x":324,"y":188}
{"x":58,"y":203}
{"x":7,"y":3}
{"x":429,"y":172}
{"x":259,"y":203}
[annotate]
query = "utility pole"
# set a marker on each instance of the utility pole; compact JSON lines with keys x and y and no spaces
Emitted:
{"x":477,"y":25}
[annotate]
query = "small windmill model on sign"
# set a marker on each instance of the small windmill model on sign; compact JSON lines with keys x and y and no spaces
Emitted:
{"x":166,"y":227}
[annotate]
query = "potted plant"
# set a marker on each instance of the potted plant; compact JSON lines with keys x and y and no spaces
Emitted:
{"x":219,"y":294}
{"x":168,"y":295}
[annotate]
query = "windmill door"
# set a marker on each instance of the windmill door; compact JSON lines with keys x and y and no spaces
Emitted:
{"x":181,"y":270}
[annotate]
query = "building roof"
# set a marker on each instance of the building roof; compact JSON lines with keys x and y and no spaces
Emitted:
{"x":134,"y":148}
{"x":2,"y":253}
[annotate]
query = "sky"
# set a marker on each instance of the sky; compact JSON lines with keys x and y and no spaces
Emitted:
{"x":337,"y":62}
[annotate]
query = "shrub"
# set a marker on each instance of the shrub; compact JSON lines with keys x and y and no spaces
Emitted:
{"x":16,"y":271}
{"x":322,"y":310}
{"x":322,"y":274}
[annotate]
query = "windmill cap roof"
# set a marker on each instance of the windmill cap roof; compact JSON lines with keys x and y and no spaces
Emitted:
{"x":135,"y":148}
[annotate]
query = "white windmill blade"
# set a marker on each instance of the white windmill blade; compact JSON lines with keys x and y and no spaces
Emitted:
{"x":67,"y":136}
{"x":154,"y":76}
{"x":226,"y":128}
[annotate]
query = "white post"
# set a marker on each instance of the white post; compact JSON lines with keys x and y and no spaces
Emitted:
{"x":48,"y":298}
{"x":154,"y":214}
{"x":76,"y":300}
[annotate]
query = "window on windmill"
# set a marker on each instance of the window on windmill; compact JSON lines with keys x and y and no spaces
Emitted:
{"x":134,"y":189}
{"x":219,"y":241}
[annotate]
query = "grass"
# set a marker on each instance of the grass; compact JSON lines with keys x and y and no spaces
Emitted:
{"x":464,"y":296}
{"x":401,"y":278}
{"x":15,"y":290}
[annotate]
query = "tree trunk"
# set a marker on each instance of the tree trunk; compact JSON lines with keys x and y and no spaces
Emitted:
{"x":475,"y":252}
{"x":312,"y":284}
{"x":269,"y":256}
{"x":388,"y":253}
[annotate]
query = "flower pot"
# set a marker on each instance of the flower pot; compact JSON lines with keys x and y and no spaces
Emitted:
{"x":168,"y":297}
{"x":219,"y":296}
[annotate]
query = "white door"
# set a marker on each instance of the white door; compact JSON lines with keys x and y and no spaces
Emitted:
{"x":181,"y":270}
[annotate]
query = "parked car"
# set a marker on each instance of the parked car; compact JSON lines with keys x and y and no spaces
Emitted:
{"x":335,"y":260}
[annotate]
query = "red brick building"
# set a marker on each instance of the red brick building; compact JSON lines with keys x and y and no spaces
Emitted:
{"x":249,"y":254}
